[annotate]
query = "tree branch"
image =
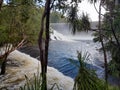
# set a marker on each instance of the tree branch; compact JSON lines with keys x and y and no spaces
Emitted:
{"x":9,"y":50}
{"x":52,"y":4}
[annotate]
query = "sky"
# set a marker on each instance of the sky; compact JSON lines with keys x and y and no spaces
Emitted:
{"x":86,"y":7}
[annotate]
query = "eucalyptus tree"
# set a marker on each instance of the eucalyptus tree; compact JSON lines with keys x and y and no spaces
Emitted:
{"x":102,"y":3}
{"x":57,"y":17}
{"x":111,"y":26}
{"x":111,"y":43}
{"x":19,"y":24}
{"x":9,"y":40}
{"x":110,"y":34}
{"x":102,"y":43}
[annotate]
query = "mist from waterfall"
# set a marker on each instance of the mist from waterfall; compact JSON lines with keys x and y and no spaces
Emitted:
{"x":66,"y":30}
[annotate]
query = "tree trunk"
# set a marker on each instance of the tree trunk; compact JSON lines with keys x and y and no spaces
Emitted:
{"x":47,"y":33}
{"x":44,"y":48}
{"x":3,"y":66}
{"x":103,"y":47}
{"x":1,"y":2}
{"x":40,"y":42}
{"x":41,"y":48}
{"x":113,"y":31}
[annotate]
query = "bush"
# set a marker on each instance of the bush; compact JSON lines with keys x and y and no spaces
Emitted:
{"x":86,"y":78}
{"x":36,"y":83}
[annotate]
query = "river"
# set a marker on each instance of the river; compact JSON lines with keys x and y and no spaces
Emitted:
{"x":60,"y":51}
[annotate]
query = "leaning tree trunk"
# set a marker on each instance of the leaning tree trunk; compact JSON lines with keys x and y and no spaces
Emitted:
{"x":7,"y":52}
{"x":43,"y":46}
{"x":3,"y":66}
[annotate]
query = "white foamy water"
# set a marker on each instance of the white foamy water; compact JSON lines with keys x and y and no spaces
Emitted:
{"x":5,"y":48}
{"x":20,"y":64}
{"x":58,"y":36}
{"x":66,"y":30}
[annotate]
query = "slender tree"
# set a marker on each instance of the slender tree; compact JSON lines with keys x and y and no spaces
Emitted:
{"x":111,"y":22}
{"x":102,"y":43}
{"x":44,"y":48}
{"x":110,"y":35}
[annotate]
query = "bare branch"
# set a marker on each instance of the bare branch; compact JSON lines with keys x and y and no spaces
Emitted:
{"x":52,"y":4}
{"x":97,"y":10}
{"x":9,"y":49}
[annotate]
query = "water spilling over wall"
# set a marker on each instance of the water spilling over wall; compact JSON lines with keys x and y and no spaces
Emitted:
{"x":20,"y":64}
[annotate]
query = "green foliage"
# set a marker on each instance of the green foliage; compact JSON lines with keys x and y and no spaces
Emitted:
{"x":86,"y":79}
{"x":85,"y":24}
{"x":113,"y":87}
{"x":78,"y":23}
{"x":30,"y":21}
{"x":19,"y":19}
{"x":56,"y":17}
{"x":35,"y":83}
{"x":73,"y":18}
{"x":111,"y":23}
